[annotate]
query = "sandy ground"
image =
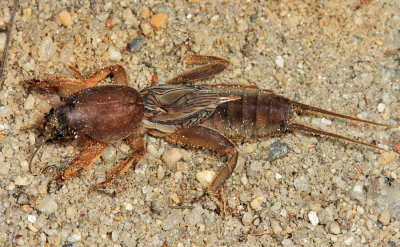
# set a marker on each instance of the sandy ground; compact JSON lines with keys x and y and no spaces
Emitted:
{"x":335,"y":55}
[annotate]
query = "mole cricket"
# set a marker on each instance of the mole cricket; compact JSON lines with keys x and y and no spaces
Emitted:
{"x":210,"y":117}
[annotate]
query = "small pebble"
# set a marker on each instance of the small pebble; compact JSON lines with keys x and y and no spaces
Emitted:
{"x":381,"y":107}
{"x":334,"y":228}
{"x":205,"y":177}
{"x":173,"y":219}
{"x":384,"y":217}
{"x":20,"y":242}
{"x":27,"y":12}
{"x":114,"y":54}
{"x":379,"y":42}
{"x":109,"y":154}
{"x":146,"y":28}
{"x":357,"y":193}
{"x":32,"y":228}
{"x":279,"y":61}
{"x":71,"y":212}
{"x":276,"y":228}
{"x":160,"y":172}
{"x":29,"y":102}
{"x":175,"y":198}
{"x":250,"y":148}
{"x":137,"y":43}
{"x":124,"y":148}
{"x":75,"y":237}
{"x":312,"y":216}
{"x":145,"y":13}
{"x":301,"y":184}
{"x":278,"y":176}
{"x":64,"y":18}
{"x":23,"y":199}
{"x":114,"y":236}
{"x":326,"y":121}
{"x":159,"y":20}
{"x":32,"y":218}
{"x":247,"y":218}
{"x":47,"y":48}
{"x":387,"y":157}
{"x":347,"y":241}
{"x":128,"y":206}
{"x":244,"y":180}
{"x":22,"y":180}
{"x":171,"y":157}
{"x":48,"y":205}
{"x":277,"y":150}
{"x":257,"y":203}
{"x":195,"y":216}
{"x":283,"y":213}
{"x":4,"y":168}
{"x":129,"y":18}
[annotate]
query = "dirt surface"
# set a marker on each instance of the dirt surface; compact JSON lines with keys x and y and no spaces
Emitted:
{"x":338,"y":55}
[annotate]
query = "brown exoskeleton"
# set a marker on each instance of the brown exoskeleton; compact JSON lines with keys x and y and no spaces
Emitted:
{"x":199,"y":116}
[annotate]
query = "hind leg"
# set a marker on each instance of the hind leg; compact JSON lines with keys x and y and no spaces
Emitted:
{"x":198,"y":136}
{"x":210,"y":66}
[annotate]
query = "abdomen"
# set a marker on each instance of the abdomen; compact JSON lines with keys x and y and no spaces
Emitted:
{"x":258,"y":114}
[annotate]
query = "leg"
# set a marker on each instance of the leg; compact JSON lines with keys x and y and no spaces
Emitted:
{"x":65,"y":86}
{"x":139,"y":150}
{"x":210,"y":66}
{"x":198,"y":136}
{"x":90,"y":153}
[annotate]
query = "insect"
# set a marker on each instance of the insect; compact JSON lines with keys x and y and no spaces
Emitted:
{"x":211,"y":117}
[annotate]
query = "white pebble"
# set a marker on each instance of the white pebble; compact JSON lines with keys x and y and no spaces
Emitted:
{"x":114,"y":236}
{"x":334,"y":228}
{"x":348,"y":240}
{"x":22,"y":180}
{"x":276,"y":228}
{"x":47,"y":49}
{"x":29,"y":102}
{"x":4,"y":168}
{"x":326,"y":121}
{"x":205,"y":177}
{"x":128,"y":206}
{"x":247,"y":218}
{"x":283,"y":213}
{"x":312,"y":216}
{"x":301,"y":184}
{"x":155,"y":151}
{"x":257,"y":203}
{"x":381,"y":107}
{"x":109,"y":154}
{"x":171,"y":157}
{"x":278,"y":176}
{"x":75,"y":237}
{"x":279,"y":61}
{"x":189,"y":16}
{"x":244,"y":180}
{"x":48,"y":205}
{"x":114,"y":54}
{"x":32,"y":218}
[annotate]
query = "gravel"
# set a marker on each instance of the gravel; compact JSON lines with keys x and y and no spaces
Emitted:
{"x":330,"y":54}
